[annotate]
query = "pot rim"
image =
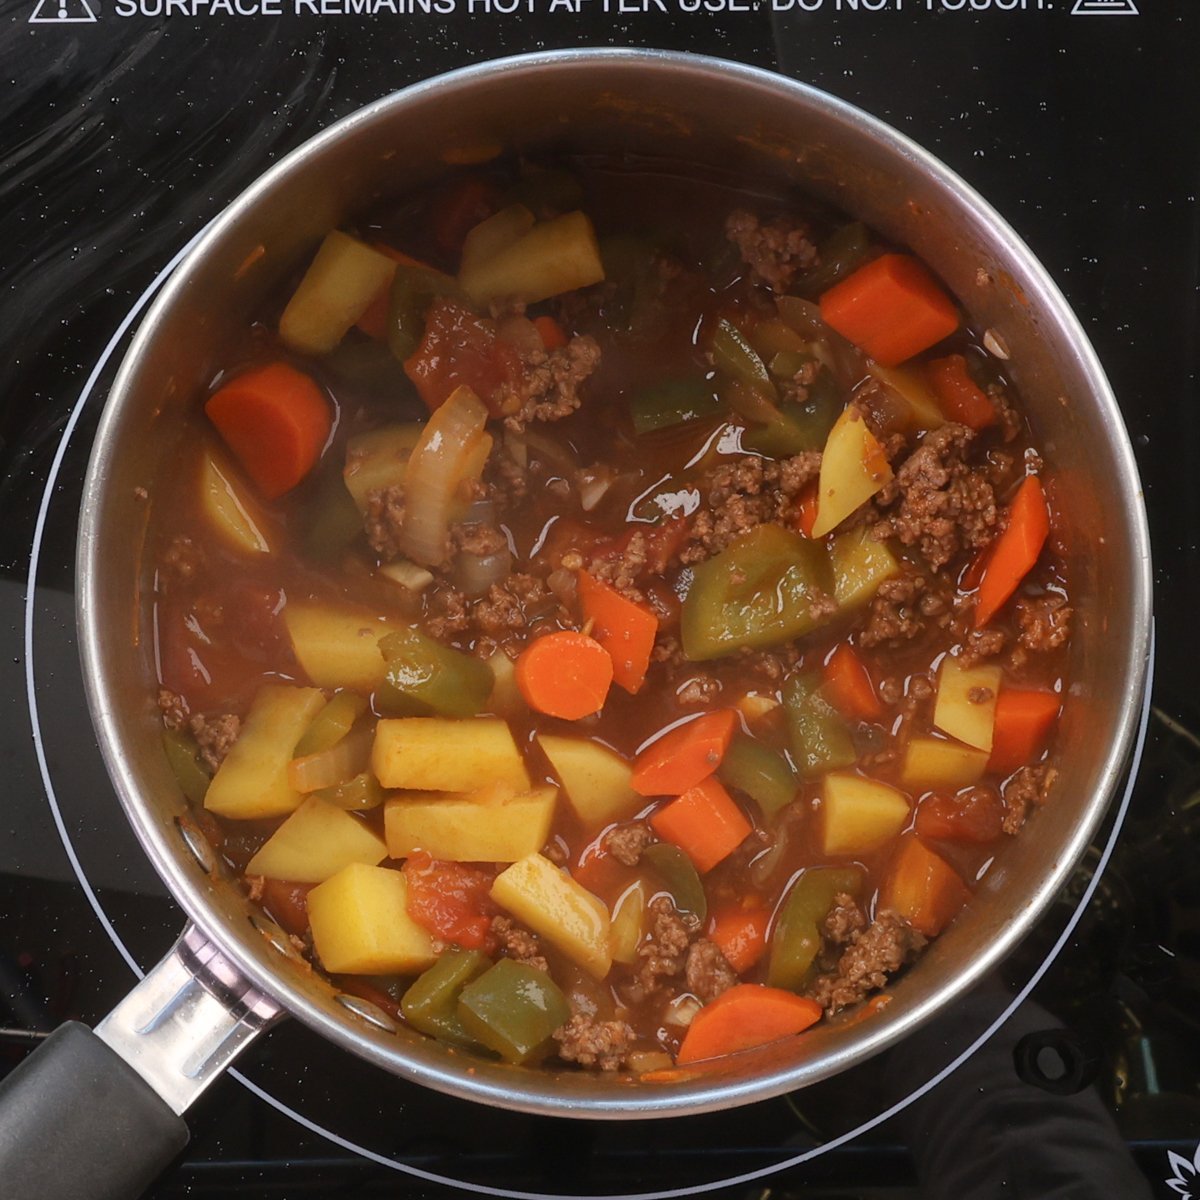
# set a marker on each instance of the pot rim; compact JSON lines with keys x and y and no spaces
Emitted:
{"x":524,"y":1090}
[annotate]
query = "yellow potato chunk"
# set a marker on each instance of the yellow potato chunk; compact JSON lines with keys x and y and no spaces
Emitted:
{"x":909,"y":385}
{"x":437,"y":754}
{"x":315,"y":843}
{"x":595,"y":779}
{"x":628,"y":923}
{"x":360,"y":924}
{"x":491,"y":826}
{"x":252,"y":782}
{"x":338,"y":647}
{"x":497,"y":233}
{"x":860,"y":564}
{"x":553,"y":905}
{"x":965,"y":707}
{"x":338,"y":287}
{"x":853,"y":468}
{"x":231,"y":509}
{"x":378,"y":459}
{"x":931,"y":763}
{"x":556,"y":256}
{"x":859,"y":815}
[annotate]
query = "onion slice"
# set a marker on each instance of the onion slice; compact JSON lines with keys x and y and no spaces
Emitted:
{"x":438,"y":464}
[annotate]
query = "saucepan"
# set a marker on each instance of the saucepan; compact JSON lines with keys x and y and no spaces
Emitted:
{"x":112,"y":1099}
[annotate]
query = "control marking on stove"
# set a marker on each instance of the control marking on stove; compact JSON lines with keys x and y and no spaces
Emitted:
{"x":63,"y":12}
{"x":1185,"y":1175}
{"x":1105,"y":8}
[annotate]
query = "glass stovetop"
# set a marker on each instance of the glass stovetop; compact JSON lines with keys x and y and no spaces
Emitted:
{"x":120,"y":137}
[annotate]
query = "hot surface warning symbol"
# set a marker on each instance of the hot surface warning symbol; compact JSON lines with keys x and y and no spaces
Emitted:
{"x":1100,"y":8}
{"x":62,"y":12}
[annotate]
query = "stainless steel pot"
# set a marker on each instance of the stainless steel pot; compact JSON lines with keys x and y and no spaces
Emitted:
{"x":233,"y":972}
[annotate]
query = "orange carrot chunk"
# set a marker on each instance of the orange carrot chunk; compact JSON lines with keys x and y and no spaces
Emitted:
{"x":565,"y":674}
{"x":740,"y":933}
{"x":747,"y":1015}
{"x":705,"y":823}
{"x":892,"y":308}
{"x":625,"y":629}
{"x":1015,"y":551}
{"x":959,"y":397}
{"x":685,"y":756}
{"x":552,"y":335}
{"x":1023,"y":722}
{"x":806,"y":509}
{"x":849,"y":685}
{"x":276,"y":421}
{"x":922,"y":888}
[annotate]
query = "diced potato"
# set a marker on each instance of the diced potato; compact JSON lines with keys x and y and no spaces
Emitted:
{"x":860,"y":564}
{"x":232,"y":510}
{"x":553,"y":905}
{"x":556,"y":256}
{"x":338,"y":287}
{"x":909,"y":384}
{"x":497,"y":233}
{"x":859,"y":815}
{"x":315,"y":843}
{"x":338,"y":647}
{"x":360,"y":924}
{"x":595,"y":779}
{"x":756,"y":708}
{"x":476,"y":827}
{"x":628,"y":921}
{"x":931,"y":763}
{"x":378,"y":459}
{"x":853,"y":468}
{"x":438,"y":754}
{"x":956,"y":713}
{"x":252,"y":782}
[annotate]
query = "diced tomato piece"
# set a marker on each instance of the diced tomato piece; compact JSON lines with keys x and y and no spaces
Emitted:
{"x":451,"y":901}
{"x":287,"y":903}
{"x":976,"y":815}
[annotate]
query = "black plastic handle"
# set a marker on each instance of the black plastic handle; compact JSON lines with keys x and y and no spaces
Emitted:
{"x":78,"y":1123}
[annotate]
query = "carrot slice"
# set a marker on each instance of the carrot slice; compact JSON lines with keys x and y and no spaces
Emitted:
{"x":806,"y":509}
{"x":705,"y":823}
{"x":685,"y":756}
{"x":740,"y":933}
{"x":276,"y":421}
{"x":625,"y":629}
{"x":747,"y":1015}
{"x":1015,"y":551}
{"x":565,"y":674}
{"x":553,"y":337}
{"x":922,"y":888}
{"x":850,"y":686}
{"x":892,"y":308}
{"x":959,"y":397}
{"x":1023,"y":722}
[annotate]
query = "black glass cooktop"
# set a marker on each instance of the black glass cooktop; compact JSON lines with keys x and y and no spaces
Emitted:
{"x":125,"y":125}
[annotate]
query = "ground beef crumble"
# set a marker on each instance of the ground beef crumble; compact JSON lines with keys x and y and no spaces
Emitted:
{"x":174,"y":708}
{"x":626,"y":842}
{"x":663,"y":954}
{"x":548,"y":387}
{"x":1029,"y":787}
{"x":844,"y":920}
{"x":895,"y":614}
{"x":180,"y":562}
{"x":383,"y":520}
{"x":215,"y":737}
{"x":590,"y":1042}
{"x":776,"y":251}
{"x":1044,"y":622}
{"x":707,"y":970}
{"x":870,"y":957}
{"x":518,"y":943}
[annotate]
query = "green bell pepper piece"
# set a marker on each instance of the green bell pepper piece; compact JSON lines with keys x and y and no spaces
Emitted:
{"x":759,"y":591}
{"x":356,"y":795}
{"x":842,"y":252}
{"x":800,"y":426}
{"x":180,"y":750}
{"x":431,"y":1003}
{"x":333,"y":520}
{"x":679,"y":874}
{"x":734,"y":357}
{"x":820,"y":739}
{"x":796,"y":938}
{"x":331,"y":724}
{"x":423,"y":676}
{"x":413,"y":290}
{"x":673,"y":403}
{"x":513,"y":1009}
{"x":368,"y":366}
{"x":762,"y":773}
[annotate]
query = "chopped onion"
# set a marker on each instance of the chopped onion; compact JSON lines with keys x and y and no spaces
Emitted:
{"x":681,"y":1011}
{"x":642,"y":1061}
{"x":517,"y":447}
{"x":594,"y":483}
{"x":407,"y":574}
{"x":340,"y":762}
{"x":435,"y":469}
{"x":561,"y":582}
{"x":475,"y":573}
{"x":520,"y":333}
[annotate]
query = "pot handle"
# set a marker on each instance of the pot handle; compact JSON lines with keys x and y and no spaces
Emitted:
{"x":96,"y":1115}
